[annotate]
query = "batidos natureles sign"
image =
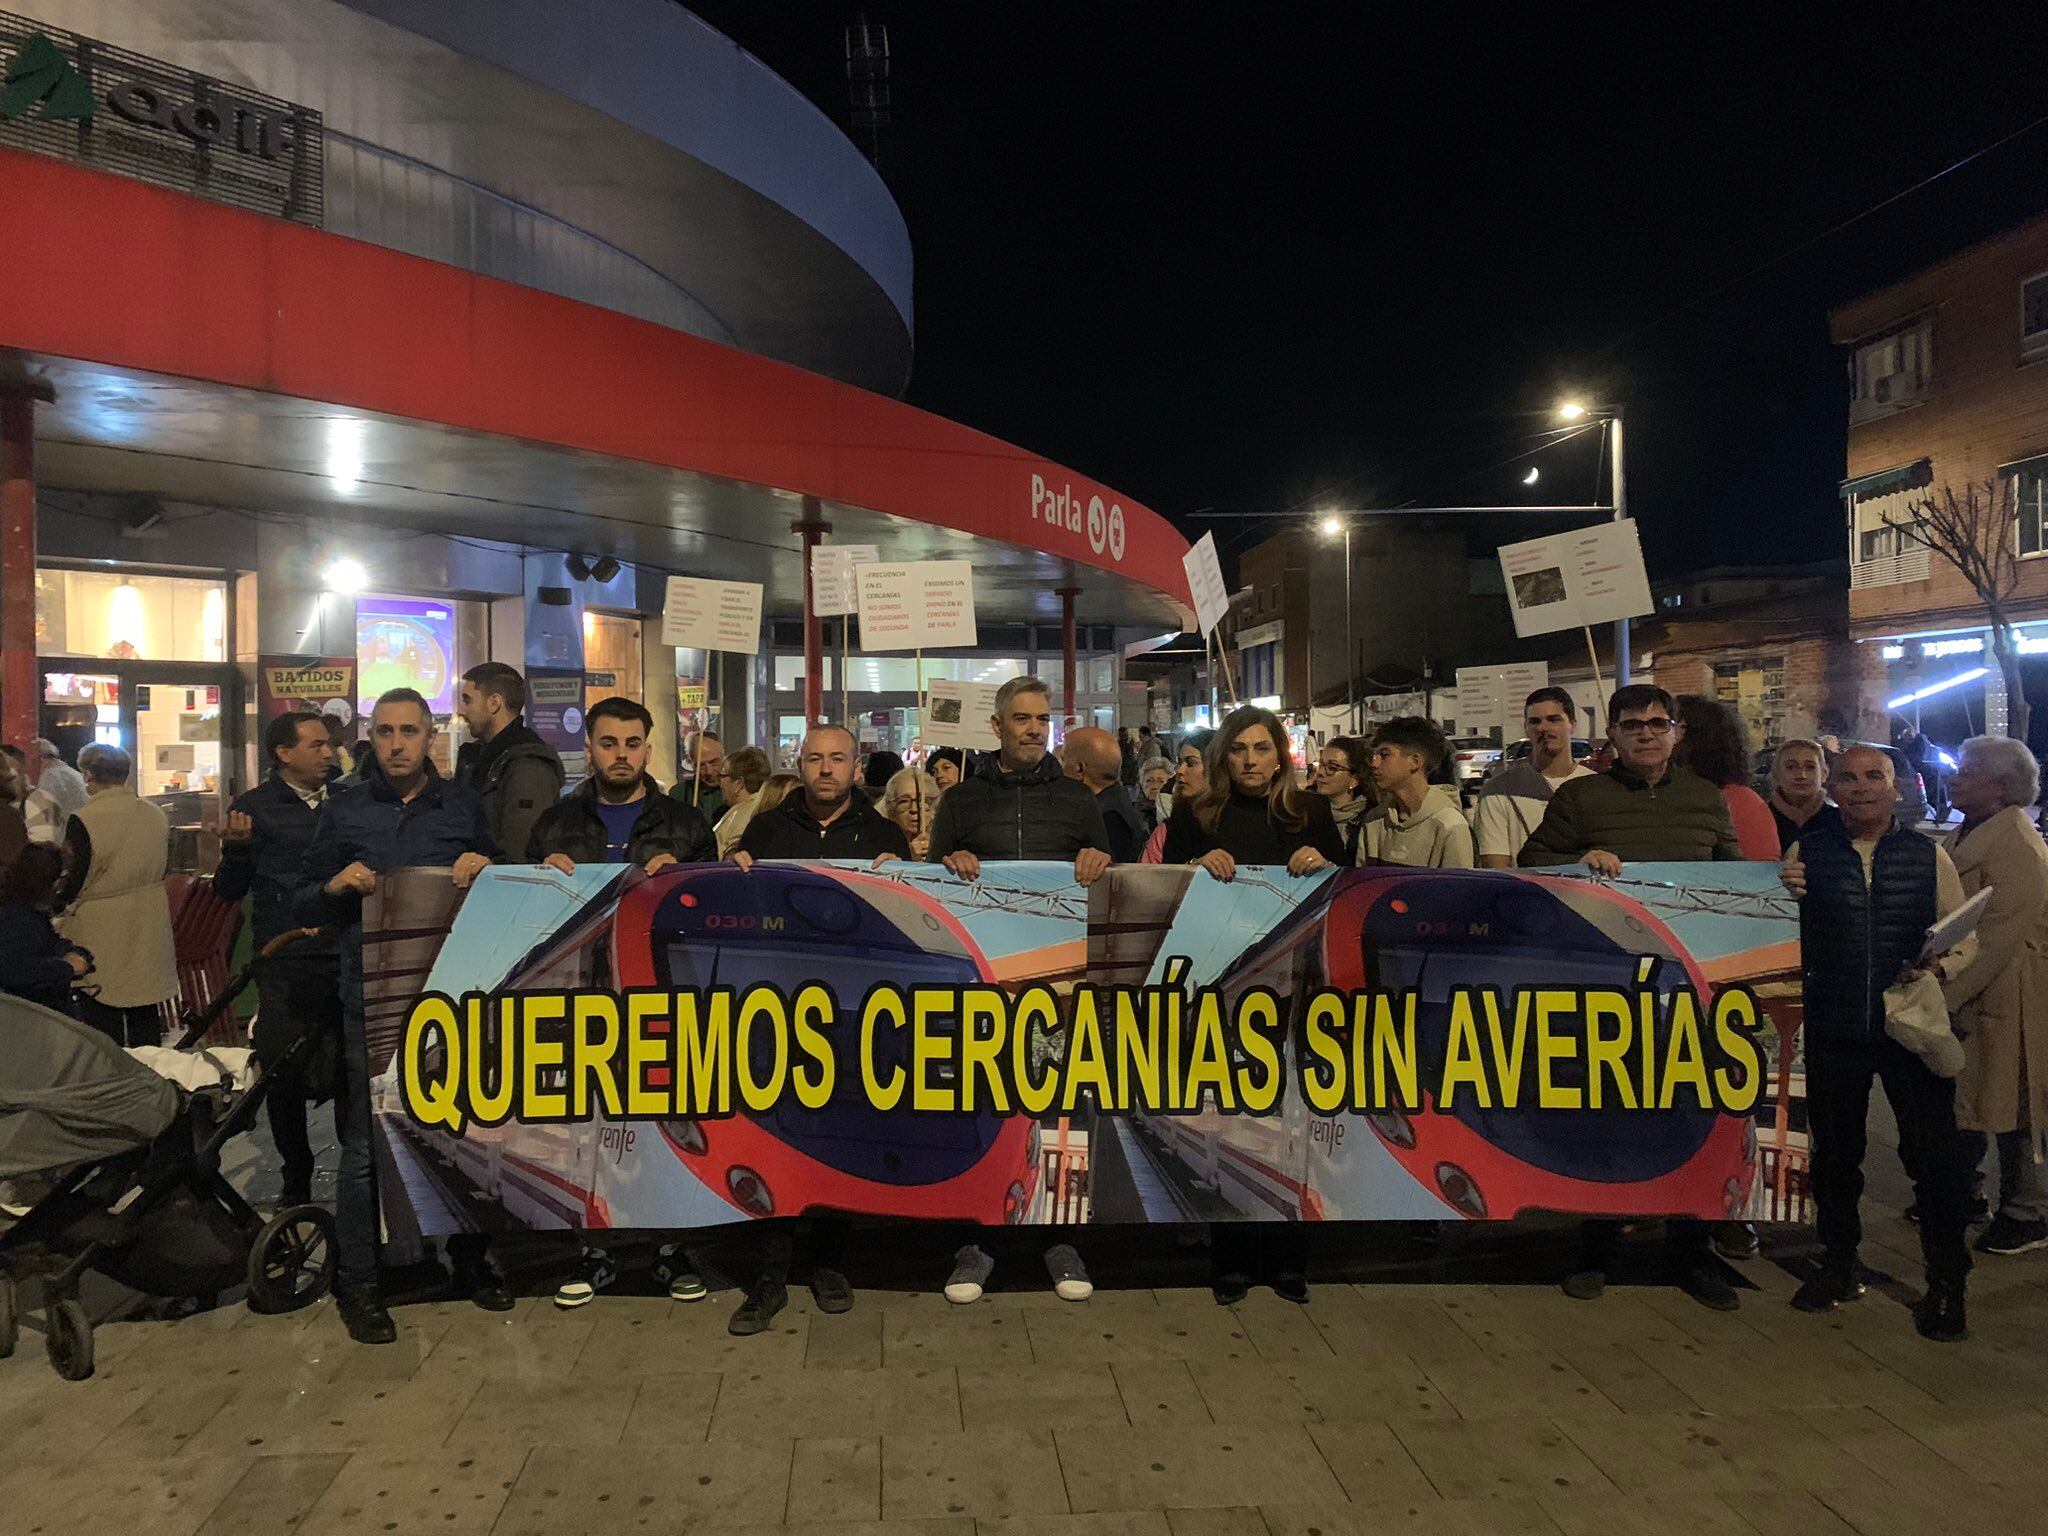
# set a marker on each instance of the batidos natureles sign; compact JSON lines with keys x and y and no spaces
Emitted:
{"x":76,"y":98}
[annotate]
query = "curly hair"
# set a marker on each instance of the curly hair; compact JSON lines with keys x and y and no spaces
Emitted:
{"x":1715,"y":745}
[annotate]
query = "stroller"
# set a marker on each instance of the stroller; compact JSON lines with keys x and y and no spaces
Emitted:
{"x":136,"y":1188}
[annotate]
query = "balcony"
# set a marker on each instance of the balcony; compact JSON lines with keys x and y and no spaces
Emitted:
{"x":1890,"y":570}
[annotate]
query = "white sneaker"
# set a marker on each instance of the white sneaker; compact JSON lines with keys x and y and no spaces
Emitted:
{"x":672,"y":1268}
{"x":971,"y":1269}
{"x":1070,"y":1280}
{"x":594,"y":1272}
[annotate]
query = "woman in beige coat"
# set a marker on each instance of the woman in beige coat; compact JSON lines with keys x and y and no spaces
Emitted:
{"x":1999,"y":1004}
{"x":115,"y":850}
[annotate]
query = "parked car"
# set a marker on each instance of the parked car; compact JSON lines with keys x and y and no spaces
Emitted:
{"x":1471,"y":757}
{"x":1517,"y":752}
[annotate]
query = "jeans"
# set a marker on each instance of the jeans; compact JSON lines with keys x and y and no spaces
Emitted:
{"x":355,"y":1191}
{"x":295,"y":993}
{"x":1838,"y":1083}
{"x":2022,"y":1181}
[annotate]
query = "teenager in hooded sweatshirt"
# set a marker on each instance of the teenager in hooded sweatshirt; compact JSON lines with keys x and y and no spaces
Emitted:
{"x":1416,"y":823}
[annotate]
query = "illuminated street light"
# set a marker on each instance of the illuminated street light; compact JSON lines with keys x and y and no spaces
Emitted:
{"x":1333,"y":525}
{"x":1571,"y":410}
{"x":1575,"y":410}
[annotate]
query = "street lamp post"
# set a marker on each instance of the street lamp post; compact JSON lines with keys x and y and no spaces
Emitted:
{"x":1332,"y":526}
{"x":1571,"y":410}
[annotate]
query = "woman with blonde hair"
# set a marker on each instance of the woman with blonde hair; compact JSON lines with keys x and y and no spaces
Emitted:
{"x":910,"y":799}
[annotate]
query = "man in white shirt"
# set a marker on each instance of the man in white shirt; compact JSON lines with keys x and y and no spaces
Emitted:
{"x":62,"y":782}
{"x":1510,"y":805}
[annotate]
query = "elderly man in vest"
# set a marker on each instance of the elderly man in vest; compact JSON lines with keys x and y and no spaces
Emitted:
{"x":115,"y":848}
{"x":1868,"y":892}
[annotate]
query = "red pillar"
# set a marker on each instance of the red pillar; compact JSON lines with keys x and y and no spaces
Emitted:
{"x":1067,"y":596}
{"x":20,"y":687}
{"x":813,"y":532}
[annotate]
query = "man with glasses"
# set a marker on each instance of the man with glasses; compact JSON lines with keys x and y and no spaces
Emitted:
{"x":1643,"y":809}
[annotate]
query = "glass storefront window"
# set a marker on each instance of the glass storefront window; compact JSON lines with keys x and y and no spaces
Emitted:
{"x":611,"y":657}
{"x":116,"y":616}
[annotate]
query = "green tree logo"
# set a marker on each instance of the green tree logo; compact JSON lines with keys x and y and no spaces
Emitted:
{"x":41,"y":76}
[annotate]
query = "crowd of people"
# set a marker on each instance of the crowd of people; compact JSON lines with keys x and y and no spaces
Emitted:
{"x":84,"y":921}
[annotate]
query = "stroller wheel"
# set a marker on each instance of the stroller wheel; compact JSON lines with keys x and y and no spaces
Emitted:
{"x":69,"y":1340}
{"x":10,"y":1316}
{"x":291,"y":1262}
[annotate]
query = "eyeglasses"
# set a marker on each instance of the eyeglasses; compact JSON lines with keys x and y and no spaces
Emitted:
{"x":1659,"y":726}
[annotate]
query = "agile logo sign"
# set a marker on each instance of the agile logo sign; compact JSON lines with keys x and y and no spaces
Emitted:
{"x":1062,"y":509}
{"x":43,"y":83}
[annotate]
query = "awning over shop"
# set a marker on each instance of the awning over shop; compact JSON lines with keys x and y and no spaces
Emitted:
{"x":1884,"y":482}
{"x":214,"y":356}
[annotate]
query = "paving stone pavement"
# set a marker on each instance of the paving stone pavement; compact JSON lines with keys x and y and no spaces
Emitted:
{"x":1411,"y":1404}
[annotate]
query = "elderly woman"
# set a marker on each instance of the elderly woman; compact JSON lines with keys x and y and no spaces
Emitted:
{"x":910,"y":799}
{"x":115,"y":849}
{"x":1999,"y":1003}
{"x":739,"y":786}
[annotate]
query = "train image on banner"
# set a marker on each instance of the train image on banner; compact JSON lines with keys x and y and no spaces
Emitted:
{"x":705,"y":926}
{"x":1429,"y":931}
{"x":848,"y":927}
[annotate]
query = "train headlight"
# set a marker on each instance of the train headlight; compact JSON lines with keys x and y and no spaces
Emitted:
{"x":749,"y":1191}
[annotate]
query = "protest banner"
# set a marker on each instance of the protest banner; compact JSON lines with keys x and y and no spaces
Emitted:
{"x":1575,"y":580}
{"x":1378,"y":1044}
{"x":833,"y":589}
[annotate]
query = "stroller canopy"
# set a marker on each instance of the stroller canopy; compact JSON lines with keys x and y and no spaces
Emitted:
{"x":69,"y":1095}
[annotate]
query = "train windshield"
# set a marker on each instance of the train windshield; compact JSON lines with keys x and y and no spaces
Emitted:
{"x":847,"y":1134}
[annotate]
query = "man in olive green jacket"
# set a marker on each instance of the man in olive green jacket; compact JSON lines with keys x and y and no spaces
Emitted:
{"x":1643,"y":809}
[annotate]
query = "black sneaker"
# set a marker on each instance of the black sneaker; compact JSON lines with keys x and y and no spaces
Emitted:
{"x":2007,"y":1236}
{"x":1230,"y":1289}
{"x":1706,"y":1283}
{"x":1291,"y":1287}
{"x":1829,"y":1286}
{"x":1939,"y":1315}
{"x":595,"y":1272}
{"x":832,"y":1291}
{"x":363,"y":1315}
{"x":1585,"y":1284}
{"x":753,"y":1315}
{"x":484,"y":1286}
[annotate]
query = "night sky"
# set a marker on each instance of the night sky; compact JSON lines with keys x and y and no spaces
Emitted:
{"x":1287,"y":257}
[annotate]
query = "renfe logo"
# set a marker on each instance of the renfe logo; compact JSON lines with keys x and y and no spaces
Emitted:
{"x":1062,"y":509}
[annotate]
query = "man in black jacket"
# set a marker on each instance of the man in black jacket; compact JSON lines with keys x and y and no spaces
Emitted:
{"x":264,"y":843}
{"x":618,"y":815}
{"x":829,"y":818}
{"x":1091,"y":757}
{"x":514,"y":772}
{"x":1018,"y":803}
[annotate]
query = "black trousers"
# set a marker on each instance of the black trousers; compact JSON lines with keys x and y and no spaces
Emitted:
{"x":1687,"y":1241}
{"x":295,"y":993}
{"x":1258,"y":1251}
{"x":1838,"y":1083}
{"x":823,"y":1239}
{"x":124,"y":1026}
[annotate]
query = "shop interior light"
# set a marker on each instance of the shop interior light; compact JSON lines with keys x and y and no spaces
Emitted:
{"x":1895,"y":653}
{"x":1933,"y":688}
{"x":126,"y":619}
{"x":346,"y":576}
{"x":345,"y":453}
{"x":1972,"y":646}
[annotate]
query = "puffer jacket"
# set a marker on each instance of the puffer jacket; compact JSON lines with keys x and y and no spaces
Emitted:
{"x":1037,"y":814}
{"x":1854,"y":937}
{"x":1680,"y":817}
